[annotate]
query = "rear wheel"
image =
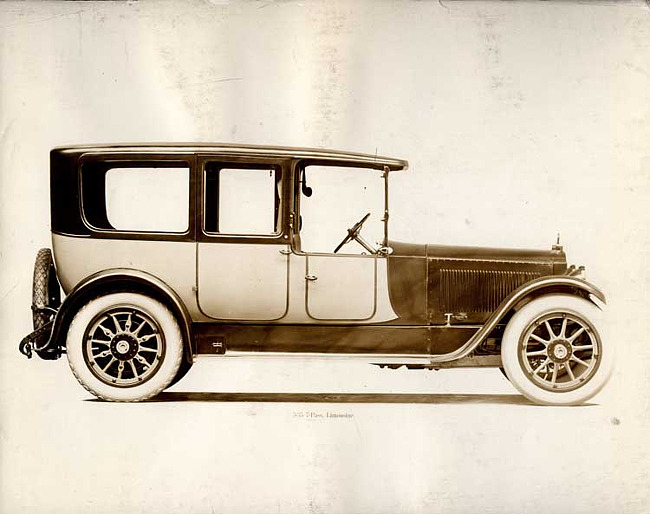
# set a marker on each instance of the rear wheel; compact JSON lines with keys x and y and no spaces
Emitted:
{"x":182,"y":371}
{"x":553,"y":351}
{"x":124,"y":347}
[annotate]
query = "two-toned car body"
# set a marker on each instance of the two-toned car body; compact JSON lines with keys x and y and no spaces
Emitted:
{"x":169,"y":278}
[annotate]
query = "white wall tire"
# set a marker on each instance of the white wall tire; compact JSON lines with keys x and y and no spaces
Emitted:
{"x":124,"y":347}
{"x":553,"y":350}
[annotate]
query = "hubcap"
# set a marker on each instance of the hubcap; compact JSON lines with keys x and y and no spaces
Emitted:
{"x":123,"y":346}
{"x":560,"y":351}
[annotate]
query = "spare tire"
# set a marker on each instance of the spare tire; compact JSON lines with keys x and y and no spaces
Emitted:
{"x":46,"y":292}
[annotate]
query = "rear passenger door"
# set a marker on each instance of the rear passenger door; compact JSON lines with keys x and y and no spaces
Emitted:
{"x":242,"y":251}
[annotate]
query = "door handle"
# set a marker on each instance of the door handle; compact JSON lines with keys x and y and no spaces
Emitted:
{"x":311,"y":277}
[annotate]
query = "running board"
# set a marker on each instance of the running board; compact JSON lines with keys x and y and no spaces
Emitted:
{"x":428,"y":361}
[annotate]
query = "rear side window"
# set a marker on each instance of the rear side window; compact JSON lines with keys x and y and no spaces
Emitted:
{"x":242,"y":199}
{"x":148,"y":199}
{"x":137,"y":198}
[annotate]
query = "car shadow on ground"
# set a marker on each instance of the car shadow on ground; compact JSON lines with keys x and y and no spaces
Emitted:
{"x":508,"y":399}
{"x":405,"y":398}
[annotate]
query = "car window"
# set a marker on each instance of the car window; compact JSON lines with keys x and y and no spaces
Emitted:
{"x":242,"y":199}
{"x":340,"y":197}
{"x":147,"y":199}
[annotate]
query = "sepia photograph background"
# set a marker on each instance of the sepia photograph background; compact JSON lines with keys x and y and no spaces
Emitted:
{"x":520,"y":120}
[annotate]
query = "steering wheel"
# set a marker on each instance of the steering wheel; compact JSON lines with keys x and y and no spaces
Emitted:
{"x":352,"y":232}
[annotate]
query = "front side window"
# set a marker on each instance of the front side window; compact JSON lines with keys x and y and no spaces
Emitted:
{"x":136,"y":196}
{"x":242,"y":199}
{"x":338,"y":197}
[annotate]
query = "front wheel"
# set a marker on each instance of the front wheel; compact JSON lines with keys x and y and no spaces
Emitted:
{"x":124,"y":347}
{"x":553,"y":351}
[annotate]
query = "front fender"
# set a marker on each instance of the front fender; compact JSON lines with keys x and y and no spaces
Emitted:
{"x":563,"y":283}
{"x":543,"y":285}
{"x":120,"y":279}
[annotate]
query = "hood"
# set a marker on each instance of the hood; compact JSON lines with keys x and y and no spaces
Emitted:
{"x":428,"y":281}
{"x":556,"y":258}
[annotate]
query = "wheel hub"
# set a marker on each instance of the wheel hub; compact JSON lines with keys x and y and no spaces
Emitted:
{"x":124,"y":346}
{"x":560,"y":351}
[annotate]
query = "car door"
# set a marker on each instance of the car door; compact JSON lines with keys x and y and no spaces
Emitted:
{"x":340,"y":279}
{"x":341,"y":287}
{"x":242,"y":250}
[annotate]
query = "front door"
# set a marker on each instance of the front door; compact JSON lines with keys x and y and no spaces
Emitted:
{"x":242,"y":253}
{"x":341,"y":275}
{"x":341,"y":287}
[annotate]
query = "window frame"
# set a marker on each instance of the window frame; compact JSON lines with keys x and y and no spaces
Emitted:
{"x":244,"y":167}
{"x":296,"y":198}
{"x":140,"y":160}
{"x":281,"y":164}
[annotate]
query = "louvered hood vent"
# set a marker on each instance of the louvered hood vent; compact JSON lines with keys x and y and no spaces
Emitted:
{"x":471,"y":290}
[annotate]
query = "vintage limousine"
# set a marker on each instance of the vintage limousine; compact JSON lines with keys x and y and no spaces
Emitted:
{"x":170,"y":252}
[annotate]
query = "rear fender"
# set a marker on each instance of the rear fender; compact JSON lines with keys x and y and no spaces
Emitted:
{"x":119,"y":280}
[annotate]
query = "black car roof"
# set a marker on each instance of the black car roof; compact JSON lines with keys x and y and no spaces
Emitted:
{"x":238,"y":150}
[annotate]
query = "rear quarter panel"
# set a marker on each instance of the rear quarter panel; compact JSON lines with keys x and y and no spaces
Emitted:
{"x":173,"y":262}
